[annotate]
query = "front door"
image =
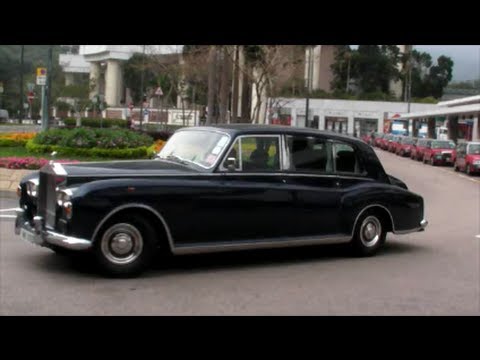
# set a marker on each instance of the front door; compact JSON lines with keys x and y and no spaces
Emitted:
{"x":256,"y":200}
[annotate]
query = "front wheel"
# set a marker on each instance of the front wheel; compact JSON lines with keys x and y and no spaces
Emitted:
{"x":126,"y":247}
{"x":369,"y":235}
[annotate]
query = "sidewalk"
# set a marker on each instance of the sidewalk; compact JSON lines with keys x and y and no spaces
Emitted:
{"x":9,"y":180}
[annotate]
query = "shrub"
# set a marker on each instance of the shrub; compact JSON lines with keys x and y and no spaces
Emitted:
{"x":89,"y":138}
{"x":141,"y":152}
{"x":96,"y":122}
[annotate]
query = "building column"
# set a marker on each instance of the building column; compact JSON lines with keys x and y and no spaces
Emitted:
{"x":293,"y":114}
{"x":351,"y":125}
{"x":321,"y":121}
{"x":113,"y":83}
{"x":69,"y":79}
{"x":431,"y":128}
{"x":380,"y":123}
{"x":476,"y":128}
{"x":94,"y":79}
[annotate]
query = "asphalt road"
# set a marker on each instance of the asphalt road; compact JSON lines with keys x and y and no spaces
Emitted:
{"x":431,"y":273}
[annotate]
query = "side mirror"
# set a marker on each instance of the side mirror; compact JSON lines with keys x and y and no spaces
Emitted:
{"x":230,"y":164}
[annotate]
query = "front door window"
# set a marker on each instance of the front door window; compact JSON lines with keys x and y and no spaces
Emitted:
{"x":255,"y":154}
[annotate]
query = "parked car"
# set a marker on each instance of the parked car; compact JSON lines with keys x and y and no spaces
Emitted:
{"x":468,"y":157}
{"x":387,"y":139}
{"x":404,"y":147}
{"x":419,"y":149}
{"x":378,"y":139}
{"x":215,"y":189}
{"x":392,"y":146}
{"x":439,"y":152}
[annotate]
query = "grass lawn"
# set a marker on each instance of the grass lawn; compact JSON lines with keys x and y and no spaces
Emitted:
{"x":22,"y":152}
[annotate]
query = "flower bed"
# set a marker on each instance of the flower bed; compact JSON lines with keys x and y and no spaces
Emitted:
{"x":15,"y":139}
{"x":29,"y":163}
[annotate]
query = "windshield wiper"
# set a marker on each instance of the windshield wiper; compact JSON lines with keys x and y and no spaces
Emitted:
{"x":175,"y":158}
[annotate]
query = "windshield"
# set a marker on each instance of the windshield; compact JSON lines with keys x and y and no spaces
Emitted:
{"x":443,"y":145}
{"x":408,"y":141}
{"x":474,"y":149}
{"x":199,"y":147}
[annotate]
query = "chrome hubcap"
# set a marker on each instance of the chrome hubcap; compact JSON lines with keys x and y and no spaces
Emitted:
{"x":370,"y":231}
{"x":122,"y":244}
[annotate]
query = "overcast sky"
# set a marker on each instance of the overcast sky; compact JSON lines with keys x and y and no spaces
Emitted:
{"x":466,"y":58}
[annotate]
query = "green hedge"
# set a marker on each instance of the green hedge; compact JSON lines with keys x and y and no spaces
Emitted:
{"x":142,"y":152}
{"x":11,"y":142}
{"x":97,"y":122}
{"x":93,"y":138}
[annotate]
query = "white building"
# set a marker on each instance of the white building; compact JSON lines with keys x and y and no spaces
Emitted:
{"x":350,"y":117}
{"x":104,"y":64}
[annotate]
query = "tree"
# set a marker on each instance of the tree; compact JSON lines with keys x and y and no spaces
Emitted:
{"x":430,"y":80}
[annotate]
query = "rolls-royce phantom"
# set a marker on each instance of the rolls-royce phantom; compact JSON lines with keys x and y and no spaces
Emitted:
{"x":222,"y":188}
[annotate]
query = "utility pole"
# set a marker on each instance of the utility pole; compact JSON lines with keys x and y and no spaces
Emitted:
{"x":141,"y":88}
{"x":309,"y":79}
{"x":410,"y":65}
{"x":349,"y":56}
{"x":46,"y":91}
{"x":20,"y":112}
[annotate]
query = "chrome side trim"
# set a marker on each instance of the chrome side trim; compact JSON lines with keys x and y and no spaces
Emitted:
{"x":259,"y":244}
{"x":368,"y":207}
{"x":135,"y":205}
{"x":340,"y":176}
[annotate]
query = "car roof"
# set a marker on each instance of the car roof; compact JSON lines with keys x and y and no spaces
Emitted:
{"x":244,"y":129}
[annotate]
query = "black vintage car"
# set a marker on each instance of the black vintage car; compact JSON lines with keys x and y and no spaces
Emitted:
{"x":217,"y":189}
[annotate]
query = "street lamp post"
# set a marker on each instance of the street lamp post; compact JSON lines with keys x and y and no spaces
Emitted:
{"x":141,"y":88}
{"x":309,"y":83}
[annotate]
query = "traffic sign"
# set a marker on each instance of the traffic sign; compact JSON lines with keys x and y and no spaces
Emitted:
{"x":159,"y":91}
{"x":42,"y":81}
{"x":30,"y":86}
{"x":42,"y":76}
{"x":41,"y":71}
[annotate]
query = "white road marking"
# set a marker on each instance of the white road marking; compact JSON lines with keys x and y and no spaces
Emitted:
{"x":7,"y":210}
{"x":8,"y":216}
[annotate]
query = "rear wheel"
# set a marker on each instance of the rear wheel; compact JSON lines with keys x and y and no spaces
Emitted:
{"x":369,"y":235}
{"x":126,"y":247}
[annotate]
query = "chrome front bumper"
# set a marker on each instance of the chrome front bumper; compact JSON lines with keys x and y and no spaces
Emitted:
{"x":38,"y":235}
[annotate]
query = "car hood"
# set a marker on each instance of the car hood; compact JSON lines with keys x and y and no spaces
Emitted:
{"x":70,"y":174}
{"x":126,"y":168}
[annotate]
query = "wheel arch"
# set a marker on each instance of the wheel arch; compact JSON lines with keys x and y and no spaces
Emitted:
{"x":383,"y":212}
